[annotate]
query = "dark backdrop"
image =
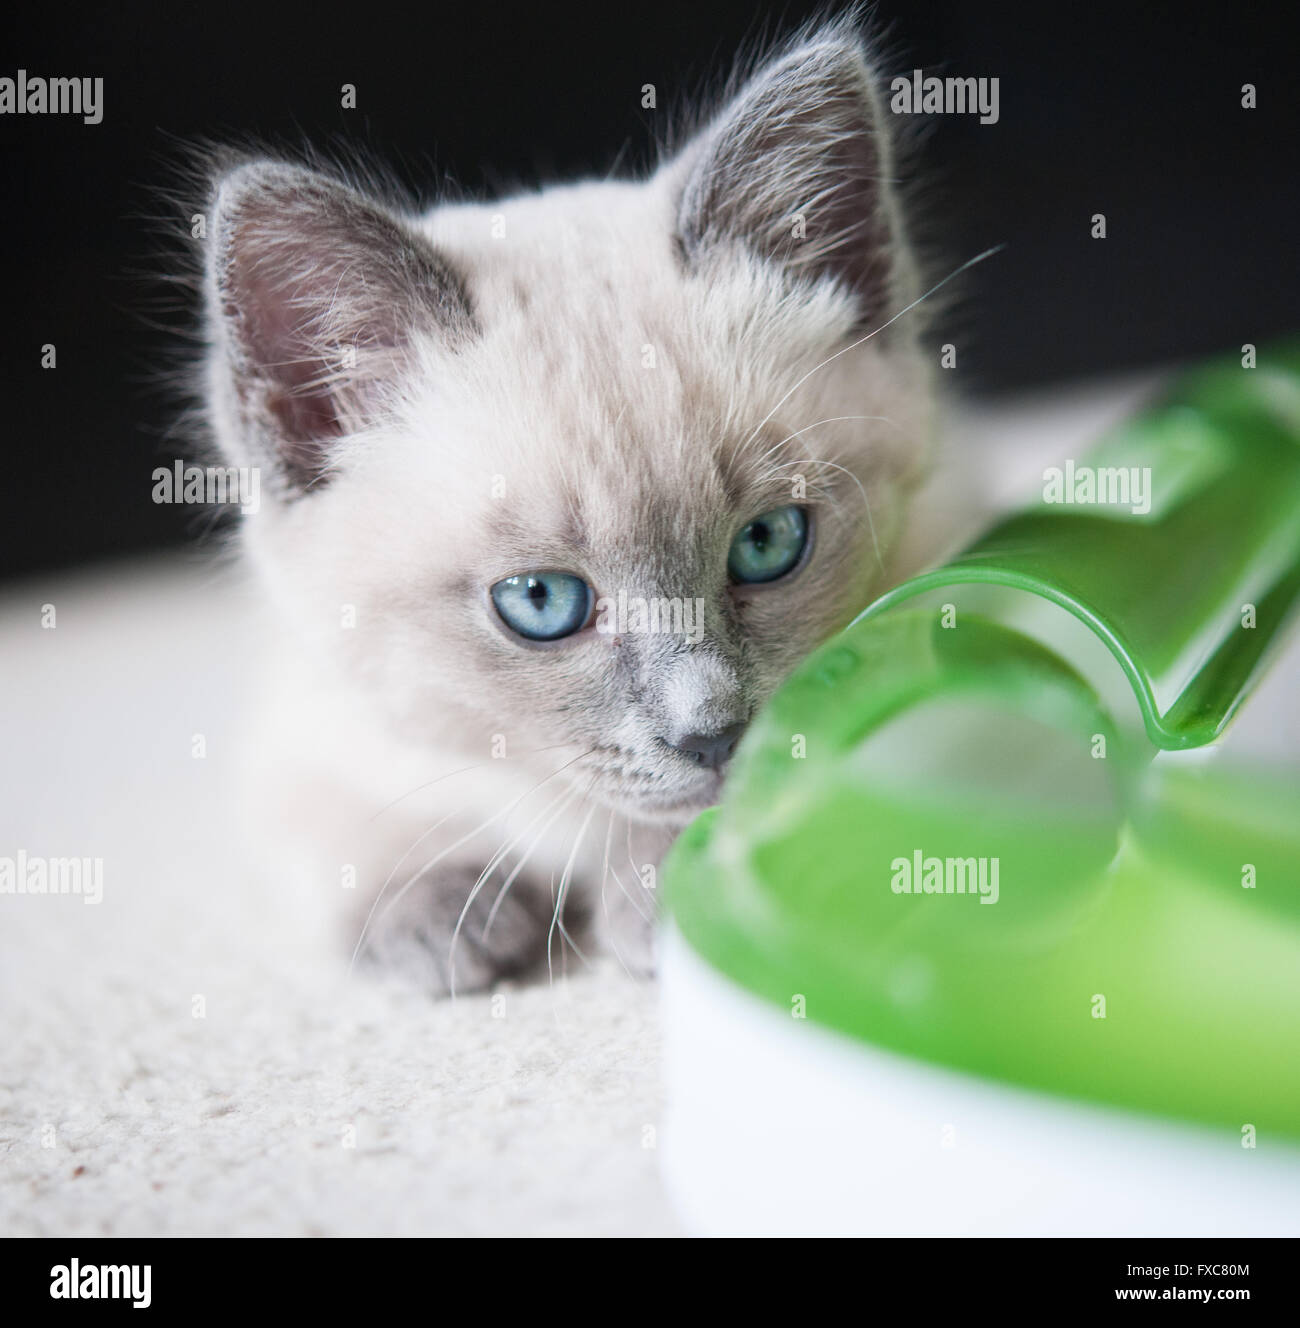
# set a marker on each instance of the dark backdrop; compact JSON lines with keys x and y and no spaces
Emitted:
{"x":1120,"y":109}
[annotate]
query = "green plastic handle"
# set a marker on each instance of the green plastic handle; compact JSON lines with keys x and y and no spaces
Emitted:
{"x":1189,"y":595}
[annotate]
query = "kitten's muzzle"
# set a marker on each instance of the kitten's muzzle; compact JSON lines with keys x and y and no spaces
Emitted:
{"x":711,"y":751}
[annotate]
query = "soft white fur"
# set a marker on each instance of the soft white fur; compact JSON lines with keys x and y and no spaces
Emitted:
{"x":532,"y":433}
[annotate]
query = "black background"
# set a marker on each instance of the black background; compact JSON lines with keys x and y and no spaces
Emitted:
{"x":1122,"y":109}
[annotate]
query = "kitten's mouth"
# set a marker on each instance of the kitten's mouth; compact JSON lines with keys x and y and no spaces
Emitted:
{"x":689,"y":803}
{"x":658,"y":796}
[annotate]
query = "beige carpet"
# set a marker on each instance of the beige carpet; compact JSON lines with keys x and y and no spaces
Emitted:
{"x":304,"y":1101}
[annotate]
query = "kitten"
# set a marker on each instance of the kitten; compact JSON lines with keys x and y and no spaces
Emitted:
{"x":486,"y":428}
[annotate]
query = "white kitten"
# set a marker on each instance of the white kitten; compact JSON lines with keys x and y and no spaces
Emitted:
{"x":489,"y":427}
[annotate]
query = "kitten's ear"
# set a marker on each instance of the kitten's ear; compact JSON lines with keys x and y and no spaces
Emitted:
{"x":314,"y":294}
{"x":795,"y":169}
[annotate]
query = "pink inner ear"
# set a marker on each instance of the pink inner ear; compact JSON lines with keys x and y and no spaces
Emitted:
{"x":303,"y":406}
{"x":276,"y":324}
{"x":308,"y":419}
{"x":312,"y":271}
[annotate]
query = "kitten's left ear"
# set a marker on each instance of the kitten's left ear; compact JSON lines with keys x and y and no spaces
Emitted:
{"x":796,"y":171}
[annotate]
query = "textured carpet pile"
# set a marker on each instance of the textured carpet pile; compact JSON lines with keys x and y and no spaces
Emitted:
{"x":190,"y":1055}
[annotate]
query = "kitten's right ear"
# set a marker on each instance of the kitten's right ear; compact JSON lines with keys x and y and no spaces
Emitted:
{"x":314,"y":296}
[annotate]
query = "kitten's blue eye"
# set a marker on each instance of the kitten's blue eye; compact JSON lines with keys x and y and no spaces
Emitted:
{"x":769,"y":546}
{"x":543,"y":606}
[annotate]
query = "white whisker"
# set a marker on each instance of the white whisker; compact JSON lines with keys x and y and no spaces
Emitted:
{"x":604,"y":896}
{"x":537,"y":751}
{"x":564,"y":799}
{"x":834,"y":419}
{"x":484,"y":875}
{"x":866,"y":502}
{"x":636,"y":872}
{"x":844,"y":350}
{"x":451,"y":848}
{"x":564,"y":887}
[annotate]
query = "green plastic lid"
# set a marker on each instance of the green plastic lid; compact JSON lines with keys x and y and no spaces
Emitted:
{"x":939,"y":839}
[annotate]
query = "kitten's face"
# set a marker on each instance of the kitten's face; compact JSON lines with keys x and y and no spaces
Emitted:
{"x":569,"y":477}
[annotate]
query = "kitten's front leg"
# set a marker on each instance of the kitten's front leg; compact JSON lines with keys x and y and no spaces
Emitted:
{"x":624,"y":894}
{"x":626,"y":927}
{"x":453,"y":929}
{"x":448,"y":933}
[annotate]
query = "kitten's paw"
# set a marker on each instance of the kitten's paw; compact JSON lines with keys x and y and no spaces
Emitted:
{"x":433,"y":934}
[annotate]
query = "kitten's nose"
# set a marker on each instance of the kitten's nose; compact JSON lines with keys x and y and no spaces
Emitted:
{"x":711,"y":750}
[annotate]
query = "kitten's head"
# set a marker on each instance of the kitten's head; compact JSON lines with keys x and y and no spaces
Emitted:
{"x":594,"y":467}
